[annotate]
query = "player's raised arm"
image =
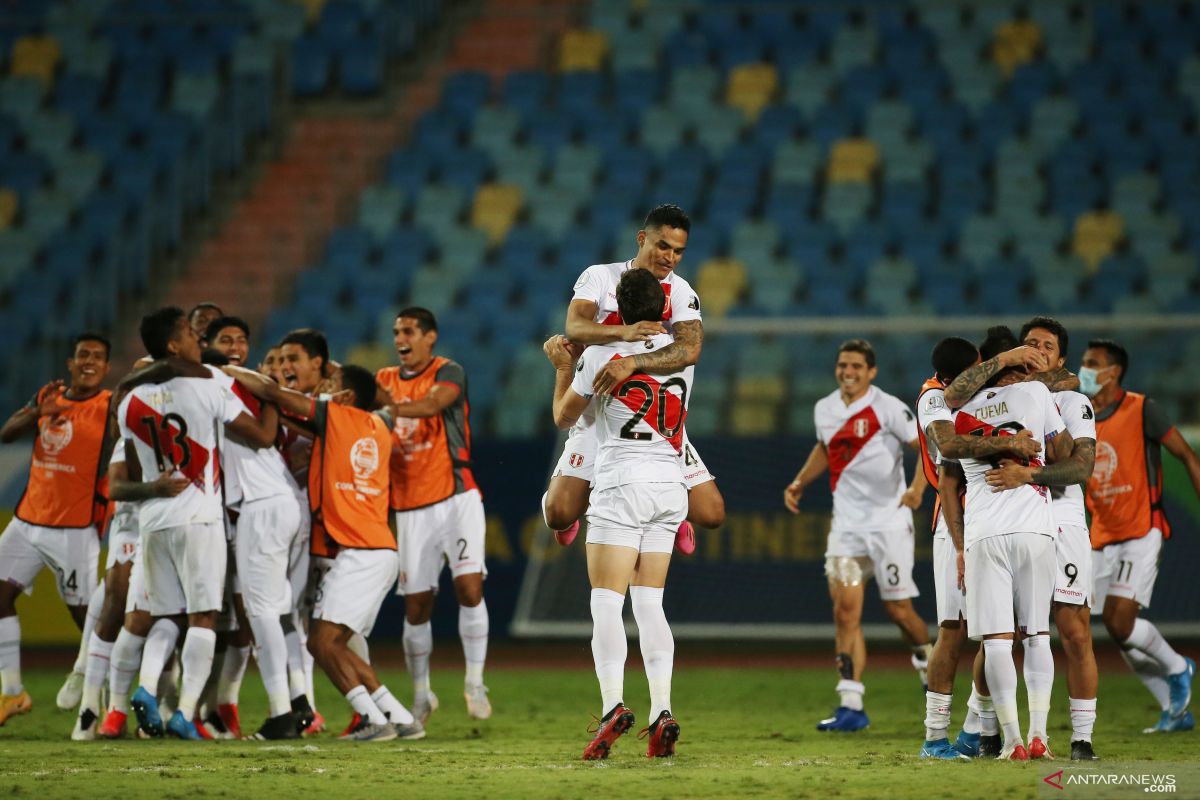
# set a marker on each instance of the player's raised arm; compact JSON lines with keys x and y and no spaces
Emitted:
{"x":814,"y":467}
{"x":46,"y":403}
{"x":955,"y":446}
{"x":971,"y":380}
{"x":582,"y":328}
{"x":683,"y":352}
{"x":160,"y":371}
{"x":568,"y":404}
{"x":289,"y":400}
{"x":124,"y":486}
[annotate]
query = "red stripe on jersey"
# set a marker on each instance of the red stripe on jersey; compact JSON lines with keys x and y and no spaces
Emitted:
{"x":252,"y":402}
{"x":665,"y":412}
{"x":614,"y":318}
{"x":967,"y":425}
{"x":171,"y":442}
{"x":849,"y":441}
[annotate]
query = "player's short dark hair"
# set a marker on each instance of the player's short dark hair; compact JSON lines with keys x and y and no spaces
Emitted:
{"x":999,"y":339}
{"x":92,"y":336}
{"x":157,"y":328}
{"x":670,"y":215}
{"x":214,"y":357}
{"x":207,"y":305}
{"x":1116,"y":354}
{"x":1052,"y":325}
{"x":858,"y":346}
{"x":426,"y":321}
{"x":640,"y":297}
{"x":312,"y":341}
{"x":951,"y":356}
{"x":360,"y":381}
{"x":220,"y":323}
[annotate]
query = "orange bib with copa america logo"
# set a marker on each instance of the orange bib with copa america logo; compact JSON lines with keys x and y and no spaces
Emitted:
{"x":1125,"y":501}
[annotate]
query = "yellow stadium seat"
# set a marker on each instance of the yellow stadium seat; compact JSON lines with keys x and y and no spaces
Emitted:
{"x":582,"y":50}
{"x":495,"y":210}
{"x":720,"y":281}
{"x":852,"y":161}
{"x":751,"y":88}
{"x":8,"y":208}
{"x":772,"y":388}
{"x":36,"y":57}
{"x":1097,"y":234}
{"x":1015,"y":43}
{"x":312,"y":8}
{"x":754,"y":418}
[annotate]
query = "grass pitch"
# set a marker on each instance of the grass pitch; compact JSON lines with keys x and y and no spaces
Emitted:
{"x":747,"y":731}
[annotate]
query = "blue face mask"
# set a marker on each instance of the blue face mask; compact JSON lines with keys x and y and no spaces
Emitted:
{"x":1087,"y":381}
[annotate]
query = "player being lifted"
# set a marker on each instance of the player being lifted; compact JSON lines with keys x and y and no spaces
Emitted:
{"x":55,"y":521}
{"x":437,"y":504}
{"x":860,"y":434}
{"x":639,"y":500}
{"x":593,"y":318}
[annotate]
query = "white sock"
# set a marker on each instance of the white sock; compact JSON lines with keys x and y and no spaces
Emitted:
{"x":988,"y":724}
{"x":973,"y":722}
{"x":362,"y":703}
{"x":473,"y":630}
{"x":295,"y":643}
{"x":358,"y":645}
{"x":657,"y":645}
{"x":123,"y":666}
{"x":233,"y":669}
{"x":310,"y":665}
{"x":1083,"y":718}
{"x":199,"y":645}
{"x":937,"y":716}
{"x":1145,"y":637}
{"x":160,"y":643}
{"x":1039,"y":681}
{"x":1151,"y":674}
{"x":95,"y":604}
{"x":850,"y":694}
{"x":1002,"y":682}
{"x":418,"y":644}
{"x":10,"y":656}
{"x":99,"y":660}
{"x":609,"y":648}
{"x":272,"y":662}
{"x":391,"y":707}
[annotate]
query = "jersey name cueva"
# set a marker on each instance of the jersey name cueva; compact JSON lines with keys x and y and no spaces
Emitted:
{"x":431,"y":456}
{"x":348,"y":481}
{"x":64,"y":474}
{"x":863,"y":442}
{"x":1124,"y":492}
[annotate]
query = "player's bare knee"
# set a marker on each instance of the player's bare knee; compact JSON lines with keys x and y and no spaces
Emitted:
{"x":204,"y":619}
{"x":418,"y":609}
{"x":898,"y":610}
{"x":468,"y":593}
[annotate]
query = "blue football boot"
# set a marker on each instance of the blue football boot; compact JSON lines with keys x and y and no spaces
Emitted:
{"x":182,"y":727}
{"x":844,"y":719}
{"x":941,"y":749}
{"x":1181,"y":688}
{"x":967,"y":744}
{"x":145,"y":706}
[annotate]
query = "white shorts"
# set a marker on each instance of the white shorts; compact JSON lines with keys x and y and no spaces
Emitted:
{"x":353,"y":588}
{"x":137,"y":598}
{"x":184,"y":568}
{"x":450,"y":532}
{"x":122,"y":537}
{"x":890,"y":553}
{"x":578,"y":459}
{"x":644,"y":516}
{"x":951,"y":602}
{"x":1013,"y":572}
{"x":72,"y":553}
{"x":1127,"y":569}
{"x":1073,"y":580}
{"x":298,"y":559}
{"x":267,"y":529}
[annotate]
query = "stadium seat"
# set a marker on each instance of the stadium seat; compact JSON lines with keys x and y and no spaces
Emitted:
{"x":495,"y":210}
{"x":1096,"y":235}
{"x":852,"y":160}
{"x":751,"y":88}
{"x":582,"y":50}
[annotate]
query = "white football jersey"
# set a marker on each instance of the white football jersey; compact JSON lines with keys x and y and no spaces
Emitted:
{"x":1005,"y":411}
{"x":124,"y":514}
{"x":864,"y":442}
{"x":931,"y":408}
{"x":639,"y":427}
{"x":177,"y":427}
{"x":251,"y":473}
{"x":1080,"y":419}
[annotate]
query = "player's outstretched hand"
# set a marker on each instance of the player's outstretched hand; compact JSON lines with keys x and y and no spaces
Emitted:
{"x":1009,"y":475}
{"x":792,"y":495}
{"x":166,"y":485}
{"x":1032,"y":359}
{"x":911,"y":498}
{"x":52,"y":403}
{"x":558,"y":350}
{"x":641,"y":331}
{"x":612,"y":374}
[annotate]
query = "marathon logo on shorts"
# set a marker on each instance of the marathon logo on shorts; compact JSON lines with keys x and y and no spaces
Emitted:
{"x":576,"y":460}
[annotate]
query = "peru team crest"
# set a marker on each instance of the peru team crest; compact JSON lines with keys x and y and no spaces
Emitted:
{"x":576,"y":460}
{"x":861,"y":428}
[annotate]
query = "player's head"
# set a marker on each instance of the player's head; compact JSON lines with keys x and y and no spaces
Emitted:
{"x":1048,"y":335}
{"x":662,"y":240}
{"x":640,"y":297}
{"x":166,"y":332}
{"x":1104,"y":362}
{"x":361,"y":383}
{"x":855,"y":367}
{"x":214,"y":357}
{"x":414,"y":333}
{"x":951,"y":356}
{"x":230,"y":335}
{"x":270,"y":364}
{"x":305,"y":359}
{"x":201,"y":315}
{"x":88,"y":365}
{"x":999,"y":339}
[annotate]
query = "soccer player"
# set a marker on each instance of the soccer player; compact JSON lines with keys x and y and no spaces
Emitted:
{"x":935,"y":429}
{"x":437,"y":504}
{"x":1124,"y":496}
{"x":55,"y":521}
{"x":639,"y":500}
{"x":262,"y":492}
{"x":860,"y":432}
{"x":201,"y":316}
{"x":269,"y":366}
{"x":348,"y":499}
{"x":172,"y":430}
{"x":593,"y":318}
{"x":1005,"y":541}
